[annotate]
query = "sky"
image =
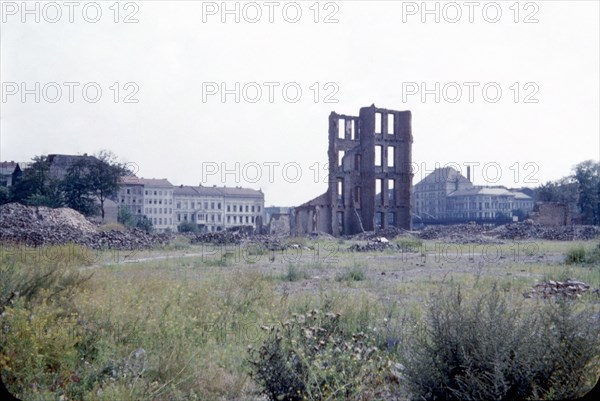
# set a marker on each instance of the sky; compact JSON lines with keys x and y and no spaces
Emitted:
{"x":239,"y":93}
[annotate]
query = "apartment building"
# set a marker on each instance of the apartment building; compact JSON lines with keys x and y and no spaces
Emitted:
{"x":430,"y":194}
{"x":210,"y":208}
{"x":446,"y":196}
{"x":148,"y":197}
{"x":486,"y":203}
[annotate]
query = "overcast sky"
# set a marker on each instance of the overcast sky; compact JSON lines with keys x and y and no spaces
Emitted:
{"x":173,"y":60}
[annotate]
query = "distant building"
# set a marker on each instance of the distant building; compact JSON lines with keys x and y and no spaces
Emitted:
{"x":219,"y":208}
{"x":486,"y":203}
{"x":9,"y":173}
{"x":431,"y":193}
{"x":148,"y":197}
{"x":210,"y":208}
{"x":445,"y":196}
{"x":60,"y":164}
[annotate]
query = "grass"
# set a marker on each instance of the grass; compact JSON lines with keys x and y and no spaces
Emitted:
{"x":354,"y":273}
{"x":295,"y":273}
{"x":195,"y":310}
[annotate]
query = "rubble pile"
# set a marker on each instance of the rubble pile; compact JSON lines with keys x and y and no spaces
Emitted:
{"x":530,"y":230}
{"x":39,"y":226}
{"x":219,"y":238}
{"x":567,"y":289}
{"x":458,"y":234}
{"x":377,"y":244}
{"x":390,"y":233}
{"x":267,"y":242}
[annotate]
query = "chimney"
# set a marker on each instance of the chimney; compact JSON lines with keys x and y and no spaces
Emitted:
{"x":469,"y":173}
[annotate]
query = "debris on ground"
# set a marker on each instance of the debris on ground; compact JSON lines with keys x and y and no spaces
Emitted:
{"x":458,"y":234}
{"x":567,"y":289}
{"x":531,"y":230}
{"x":38,"y":226}
{"x":389,"y":233}
{"x":476,"y":233}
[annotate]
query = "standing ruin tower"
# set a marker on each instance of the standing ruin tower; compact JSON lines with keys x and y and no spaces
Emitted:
{"x":370,"y":175}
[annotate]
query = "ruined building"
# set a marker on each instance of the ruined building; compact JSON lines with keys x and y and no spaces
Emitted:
{"x":369,"y":175}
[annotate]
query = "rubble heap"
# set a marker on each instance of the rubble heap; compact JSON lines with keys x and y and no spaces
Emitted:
{"x":378,"y":244}
{"x":458,"y":234}
{"x":390,"y":233}
{"x":568,"y":289}
{"x":39,"y":226}
{"x":530,"y":230}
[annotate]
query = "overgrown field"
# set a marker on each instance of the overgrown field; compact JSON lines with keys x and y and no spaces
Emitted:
{"x":315,"y":321}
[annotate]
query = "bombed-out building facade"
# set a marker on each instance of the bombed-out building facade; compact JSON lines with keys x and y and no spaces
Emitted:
{"x":370,"y":175}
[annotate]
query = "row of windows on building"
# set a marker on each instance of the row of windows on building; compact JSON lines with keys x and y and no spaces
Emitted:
{"x":379,"y":216}
{"x":390,"y":159}
{"x":148,"y":192}
{"x":161,"y":221}
{"x":148,"y":201}
{"x":217,"y":206}
{"x":349,"y":126}
{"x":158,"y":210}
{"x":215,"y":218}
{"x":379,"y":191}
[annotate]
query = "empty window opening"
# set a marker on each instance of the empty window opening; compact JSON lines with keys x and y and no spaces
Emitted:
{"x":357,"y":194}
{"x":340,"y":190}
{"x":390,"y":190}
{"x":379,"y":190}
{"x":391,"y":156}
{"x":340,"y":221}
{"x":390,"y":124}
{"x":352,"y":129}
{"x":341,"y":129}
{"x":378,"y":122}
{"x":378,"y":220}
{"x":341,"y":155}
{"x":378,"y":155}
{"x":391,"y":219}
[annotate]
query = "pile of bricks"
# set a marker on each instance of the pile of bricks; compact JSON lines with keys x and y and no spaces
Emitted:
{"x":531,"y":230}
{"x":458,"y":234}
{"x":567,"y":289}
{"x":39,"y":226}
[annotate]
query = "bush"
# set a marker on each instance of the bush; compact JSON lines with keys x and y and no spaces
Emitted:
{"x":313,"y":357}
{"x":580,"y":255}
{"x":486,"y":349}
{"x":125,"y":217}
{"x":295,"y":273}
{"x":145,"y":224}
{"x":354,"y":273}
{"x":187,"y":227}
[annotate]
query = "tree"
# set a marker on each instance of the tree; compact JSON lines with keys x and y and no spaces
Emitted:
{"x":125,"y":217}
{"x":587,"y":176}
{"x":4,"y":196}
{"x":187,"y":227}
{"x":36,"y":187}
{"x":77,"y":187}
{"x":145,"y":224}
{"x":93,"y":178}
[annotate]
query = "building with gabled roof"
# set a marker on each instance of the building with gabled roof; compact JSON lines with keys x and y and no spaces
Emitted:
{"x":9,"y":173}
{"x":445,"y":196}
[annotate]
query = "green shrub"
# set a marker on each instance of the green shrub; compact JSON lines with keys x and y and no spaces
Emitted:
{"x":581,"y":255}
{"x":408,"y":243}
{"x":313,"y":357}
{"x":295,"y":273}
{"x":486,"y":348}
{"x":354,"y":273}
{"x":187,"y":227}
